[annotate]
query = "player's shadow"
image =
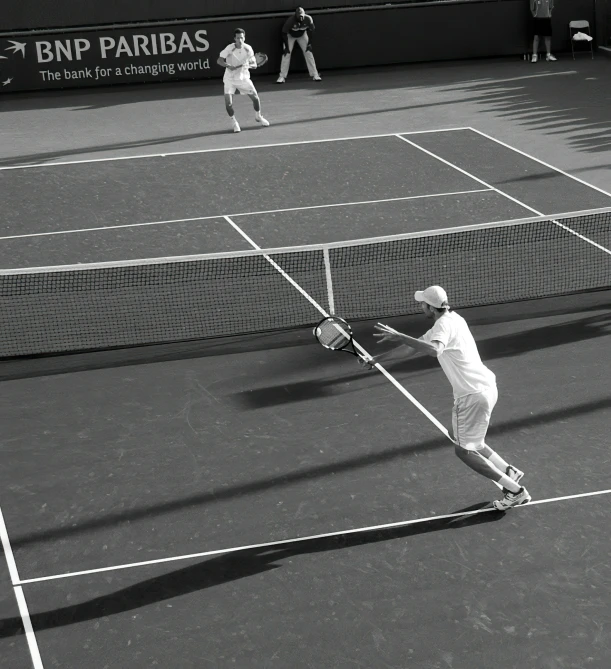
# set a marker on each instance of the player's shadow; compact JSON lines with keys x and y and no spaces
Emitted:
{"x":233,"y":567}
{"x":497,"y":347}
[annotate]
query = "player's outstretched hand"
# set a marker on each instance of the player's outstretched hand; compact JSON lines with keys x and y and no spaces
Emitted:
{"x":387,"y":334}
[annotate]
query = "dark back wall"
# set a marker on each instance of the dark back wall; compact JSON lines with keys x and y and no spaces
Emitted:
{"x":413,"y":33}
{"x":39,"y":14}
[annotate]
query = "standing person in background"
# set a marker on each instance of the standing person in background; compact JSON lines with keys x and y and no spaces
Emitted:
{"x":297,"y":28}
{"x":542,"y":26}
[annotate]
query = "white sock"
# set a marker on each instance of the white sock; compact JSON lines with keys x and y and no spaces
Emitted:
{"x":510,"y":484}
{"x":498,"y":462}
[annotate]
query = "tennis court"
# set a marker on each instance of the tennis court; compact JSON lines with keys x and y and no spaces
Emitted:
{"x":151,"y":495}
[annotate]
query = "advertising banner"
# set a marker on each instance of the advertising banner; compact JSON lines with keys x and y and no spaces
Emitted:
{"x":108,"y":57}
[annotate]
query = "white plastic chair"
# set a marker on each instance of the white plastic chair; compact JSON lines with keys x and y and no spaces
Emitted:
{"x":579,"y":32}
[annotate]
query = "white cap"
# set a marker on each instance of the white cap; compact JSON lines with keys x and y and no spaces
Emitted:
{"x":433,"y":295}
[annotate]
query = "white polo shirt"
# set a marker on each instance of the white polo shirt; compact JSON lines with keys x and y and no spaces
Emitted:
{"x":235,"y":56}
{"x":459,"y":357}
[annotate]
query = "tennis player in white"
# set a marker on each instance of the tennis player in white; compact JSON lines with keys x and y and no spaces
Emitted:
{"x":238,"y":59}
{"x":473,"y":385}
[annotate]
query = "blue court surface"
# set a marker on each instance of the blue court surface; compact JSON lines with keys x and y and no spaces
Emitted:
{"x":258,"y":501}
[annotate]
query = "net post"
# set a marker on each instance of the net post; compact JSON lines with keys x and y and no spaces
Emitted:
{"x":329,"y":278}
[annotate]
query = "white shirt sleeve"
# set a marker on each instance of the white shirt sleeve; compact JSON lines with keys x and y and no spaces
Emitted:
{"x":440,"y":332}
{"x":226,"y":51}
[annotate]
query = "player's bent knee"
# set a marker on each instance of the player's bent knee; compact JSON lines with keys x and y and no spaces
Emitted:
{"x":465,"y":450}
{"x":473,"y":459}
{"x":473,"y":446}
{"x":460,"y":452}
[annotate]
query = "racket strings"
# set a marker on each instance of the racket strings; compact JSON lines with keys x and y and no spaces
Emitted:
{"x":333,"y":333}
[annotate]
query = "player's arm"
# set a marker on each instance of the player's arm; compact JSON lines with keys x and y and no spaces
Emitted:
{"x":310,"y":25}
{"x":252,"y":61}
{"x":387,"y":334}
{"x":222,"y":60}
{"x":400,"y":352}
{"x":286,"y":29}
{"x":223,"y":63}
{"x":309,"y":31}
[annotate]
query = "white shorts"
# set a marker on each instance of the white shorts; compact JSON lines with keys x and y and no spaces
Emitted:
{"x":246,"y":87}
{"x":471,"y":417}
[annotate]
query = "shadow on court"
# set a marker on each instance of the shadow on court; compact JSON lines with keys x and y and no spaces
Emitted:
{"x":312,"y":473}
{"x":35,"y":158}
{"x":500,"y":346}
{"x":499,"y":87}
{"x":232,"y":567}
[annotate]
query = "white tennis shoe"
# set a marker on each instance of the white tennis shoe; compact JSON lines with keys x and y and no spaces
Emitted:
{"x":512,"y":499}
{"x":263,"y":121}
{"x":235,"y":124}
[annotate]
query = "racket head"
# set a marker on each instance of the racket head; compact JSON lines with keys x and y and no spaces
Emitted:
{"x":333,"y":333}
{"x":261,"y":58}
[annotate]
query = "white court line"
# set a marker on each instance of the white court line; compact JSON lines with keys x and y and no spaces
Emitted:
{"x":469,"y":174}
{"x":363,"y":352}
{"x":491,"y":80}
{"x":510,"y":197}
{"x":247,"y":213}
{"x":314,"y":537}
{"x":582,"y":237}
{"x":227,"y":148}
{"x":18,"y":590}
{"x":527,"y":155}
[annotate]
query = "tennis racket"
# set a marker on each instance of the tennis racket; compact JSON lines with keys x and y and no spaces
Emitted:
{"x":261,"y":58}
{"x":234,"y":61}
{"x":335,"y":334}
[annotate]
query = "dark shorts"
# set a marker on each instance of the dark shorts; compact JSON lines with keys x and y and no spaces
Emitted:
{"x":542,"y":27}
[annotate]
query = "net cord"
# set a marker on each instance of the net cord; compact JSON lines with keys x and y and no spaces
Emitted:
{"x":257,"y":250}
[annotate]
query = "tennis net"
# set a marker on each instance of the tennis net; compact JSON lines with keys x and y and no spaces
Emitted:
{"x":106,"y":305}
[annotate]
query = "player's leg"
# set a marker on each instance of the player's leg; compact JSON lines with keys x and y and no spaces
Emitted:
{"x":306,"y":47}
{"x":229,"y":91}
{"x":287,"y":50}
{"x":478,"y":463}
{"x":535,"y":55}
{"x":250,"y":90}
{"x":489,"y":399}
{"x":470,"y":419}
{"x":548,"y":48}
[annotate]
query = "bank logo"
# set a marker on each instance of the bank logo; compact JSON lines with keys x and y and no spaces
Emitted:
{"x":16,"y":47}
{"x":12,"y":47}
